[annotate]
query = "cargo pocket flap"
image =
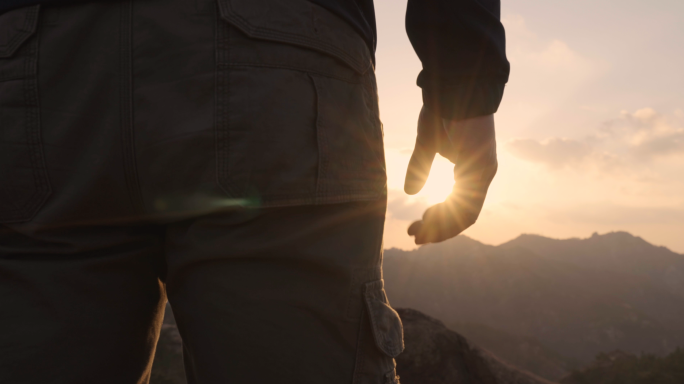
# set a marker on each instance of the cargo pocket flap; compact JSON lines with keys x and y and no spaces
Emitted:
{"x":16,"y":27}
{"x":385,"y":322}
{"x":299,"y":22}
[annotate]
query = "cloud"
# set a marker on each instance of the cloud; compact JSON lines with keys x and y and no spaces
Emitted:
{"x":645,"y":134}
{"x":632,"y":141}
{"x":661,"y":146}
{"x":555,"y":152}
{"x":401,"y":206}
{"x":548,"y":61}
{"x":548,"y":73}
{"x":616,"y":215}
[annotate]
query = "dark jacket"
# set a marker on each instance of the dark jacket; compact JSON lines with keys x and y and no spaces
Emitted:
{"x":461,"y":44}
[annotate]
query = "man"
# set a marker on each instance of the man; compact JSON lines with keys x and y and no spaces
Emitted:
{"x":226,"y":155}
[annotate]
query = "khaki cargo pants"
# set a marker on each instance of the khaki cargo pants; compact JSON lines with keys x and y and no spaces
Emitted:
{"x":224,"y":154}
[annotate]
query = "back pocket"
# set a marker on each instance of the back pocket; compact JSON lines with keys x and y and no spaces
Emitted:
{"x":24,"y":184}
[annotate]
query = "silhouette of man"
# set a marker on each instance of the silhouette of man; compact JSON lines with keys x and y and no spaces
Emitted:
{"x":226,"y":155}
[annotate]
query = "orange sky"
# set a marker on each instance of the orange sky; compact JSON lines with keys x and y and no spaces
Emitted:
{"x":590,"y":132}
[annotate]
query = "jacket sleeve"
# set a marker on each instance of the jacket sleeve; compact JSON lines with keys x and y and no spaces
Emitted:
{"x":462,"y":46}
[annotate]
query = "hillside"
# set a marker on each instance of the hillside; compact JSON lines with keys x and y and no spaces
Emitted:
{"x":608,"y":292}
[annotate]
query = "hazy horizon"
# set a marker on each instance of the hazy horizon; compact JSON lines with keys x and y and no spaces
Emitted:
{"x":590,"y":131}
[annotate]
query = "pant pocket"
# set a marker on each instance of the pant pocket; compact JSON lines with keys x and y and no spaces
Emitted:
{"x":381,"y":339}
{"x":352,"y":159}
{"x":24,"y":184}
{"x":267,"y":150}
{"x":297,"y":119}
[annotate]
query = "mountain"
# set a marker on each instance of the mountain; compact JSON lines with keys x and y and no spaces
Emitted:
{"x":576,"y":297}
{"x":616,"y":251}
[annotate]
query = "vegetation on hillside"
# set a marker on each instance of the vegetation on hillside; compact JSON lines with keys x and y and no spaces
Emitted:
{"x":622,"y":368}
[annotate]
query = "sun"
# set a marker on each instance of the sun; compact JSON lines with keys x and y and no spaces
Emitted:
{"x":438,"y":185}
{"x":440,"y":182}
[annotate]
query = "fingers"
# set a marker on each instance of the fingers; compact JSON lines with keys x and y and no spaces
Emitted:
{"x":424,"y":152}
{"x":460,"y":211}
{"x":415,"y":228}
{"x":440,"y":222}
{"x":418,"y":169}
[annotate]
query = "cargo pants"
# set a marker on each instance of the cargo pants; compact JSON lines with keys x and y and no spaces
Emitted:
{"x":225,"y":155}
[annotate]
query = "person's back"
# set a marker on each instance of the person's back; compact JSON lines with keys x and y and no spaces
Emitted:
{"x":228,"y":155}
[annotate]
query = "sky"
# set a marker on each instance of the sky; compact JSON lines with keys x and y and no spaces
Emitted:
{"x":590,"y":132}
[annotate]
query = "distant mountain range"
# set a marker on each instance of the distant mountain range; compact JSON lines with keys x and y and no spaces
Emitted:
{"x":547,"y":305}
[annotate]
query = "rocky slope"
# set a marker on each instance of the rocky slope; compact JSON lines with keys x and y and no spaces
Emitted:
{"x":436,"y":355}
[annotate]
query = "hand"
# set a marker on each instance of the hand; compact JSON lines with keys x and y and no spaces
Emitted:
{"x":471,"y":145}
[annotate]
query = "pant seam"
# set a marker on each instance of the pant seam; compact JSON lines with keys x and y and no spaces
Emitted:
{"x":222,"y":108}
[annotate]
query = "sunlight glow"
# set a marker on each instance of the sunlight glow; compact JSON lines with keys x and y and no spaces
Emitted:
{"x":440,"y":182}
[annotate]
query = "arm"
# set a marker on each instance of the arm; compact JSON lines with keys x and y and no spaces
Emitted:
{"x":461,"y":44}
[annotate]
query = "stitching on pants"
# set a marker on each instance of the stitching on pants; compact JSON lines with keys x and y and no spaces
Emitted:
{"x":291,"y":67}
{"x":264,"y":32}
{"x":318,"y":136}
{"x":17,"y":39}
{"x":32,"y":131}
{"x":32,"y":122}
{"x":222,"y":109}
{"x":126,"y":115}
{"x":358,"y":366}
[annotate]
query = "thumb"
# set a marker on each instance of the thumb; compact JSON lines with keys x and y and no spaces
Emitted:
{"x":419,"y":168}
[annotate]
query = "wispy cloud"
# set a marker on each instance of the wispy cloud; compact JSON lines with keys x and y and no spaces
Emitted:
{"x":646,"y":134}
{"x":630,"y":141}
